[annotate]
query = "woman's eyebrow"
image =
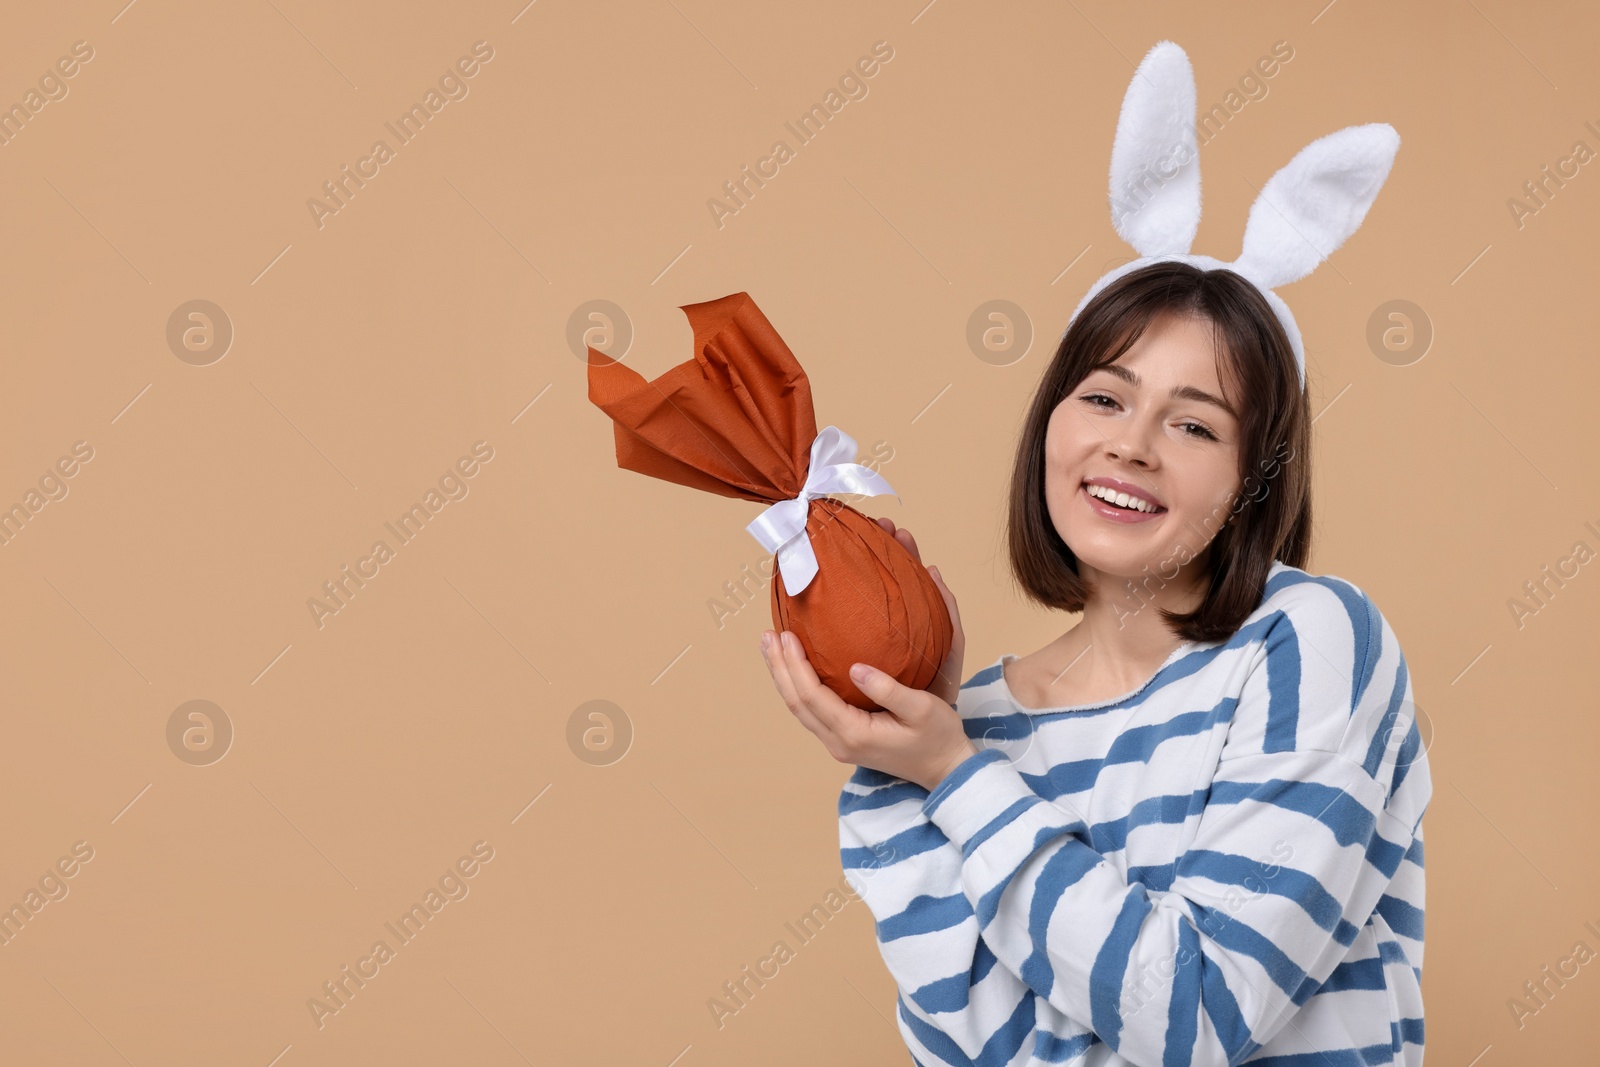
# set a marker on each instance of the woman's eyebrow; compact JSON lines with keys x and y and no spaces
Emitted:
{"x":1179,"y":392}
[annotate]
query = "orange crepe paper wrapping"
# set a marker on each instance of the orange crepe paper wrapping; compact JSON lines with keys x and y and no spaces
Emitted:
{"x":736,"y":420}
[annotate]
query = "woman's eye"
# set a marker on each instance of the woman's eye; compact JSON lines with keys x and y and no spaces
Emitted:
{"x":1193,"y":429}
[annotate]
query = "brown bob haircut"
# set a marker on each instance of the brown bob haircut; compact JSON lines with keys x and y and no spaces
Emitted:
{"x":1269,"y":518}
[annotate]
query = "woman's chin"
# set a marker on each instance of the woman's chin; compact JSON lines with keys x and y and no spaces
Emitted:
{"x":1114,"y":558}
{"x":1120,"y":566}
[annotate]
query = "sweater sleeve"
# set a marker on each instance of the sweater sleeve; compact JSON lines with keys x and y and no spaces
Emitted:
{"x":1193,"y":977}
{"x":1308,"y":773}
{"x":956,"y":1005}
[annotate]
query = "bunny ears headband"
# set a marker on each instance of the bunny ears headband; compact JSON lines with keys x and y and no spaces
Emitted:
{"x":1303,"y":213}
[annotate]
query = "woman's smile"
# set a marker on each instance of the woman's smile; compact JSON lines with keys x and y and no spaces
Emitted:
{"x":1106,"y":509}
{"x":1119,"y":501}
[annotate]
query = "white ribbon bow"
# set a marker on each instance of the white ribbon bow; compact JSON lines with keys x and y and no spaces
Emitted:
{"x":781,"y":528}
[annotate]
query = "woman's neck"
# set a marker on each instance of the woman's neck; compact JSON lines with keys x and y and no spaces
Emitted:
{"x":1122,"y":638}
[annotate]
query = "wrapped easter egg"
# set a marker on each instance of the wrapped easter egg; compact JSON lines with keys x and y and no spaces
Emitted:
{"x":737,"y":420}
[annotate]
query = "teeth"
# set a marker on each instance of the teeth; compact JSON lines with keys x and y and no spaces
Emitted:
{"x":1122,"y":500}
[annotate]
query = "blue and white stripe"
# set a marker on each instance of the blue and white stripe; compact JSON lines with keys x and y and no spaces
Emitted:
{"x":1223,"y":866}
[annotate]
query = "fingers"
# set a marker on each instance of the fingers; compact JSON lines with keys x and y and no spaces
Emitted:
{"x":778,"y":665}
{"x":900,"y":702}
{"x":779,"y":670}
{"x":949,"y":599}
{"x":947,"y":686}
{"x":797,"y":691}
{"x":823,"y":703}
{"x":950,"y":669}
{"x":902,"y":535}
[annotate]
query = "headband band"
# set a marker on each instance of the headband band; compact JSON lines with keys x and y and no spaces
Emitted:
{"x":1299,"y":218}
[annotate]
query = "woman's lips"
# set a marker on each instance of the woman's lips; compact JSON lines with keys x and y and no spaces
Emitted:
{"x":1114,"y":513}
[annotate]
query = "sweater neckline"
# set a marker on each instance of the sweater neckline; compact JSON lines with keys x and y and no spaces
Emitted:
{"x":1005,"y":687}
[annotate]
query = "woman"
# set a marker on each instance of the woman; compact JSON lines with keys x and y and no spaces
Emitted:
{"x":1188,"y":830}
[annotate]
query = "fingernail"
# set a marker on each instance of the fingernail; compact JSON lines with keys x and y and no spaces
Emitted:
{"x":788,"y":640}
{"x":934,"y":570}
{"x":861,"y":673}
{"x":766,"y":640}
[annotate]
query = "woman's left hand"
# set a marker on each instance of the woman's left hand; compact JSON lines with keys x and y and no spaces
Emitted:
{"x":919,"y":738}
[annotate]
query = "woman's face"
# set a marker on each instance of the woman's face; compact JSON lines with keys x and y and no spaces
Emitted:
{"x":1150,"y":425}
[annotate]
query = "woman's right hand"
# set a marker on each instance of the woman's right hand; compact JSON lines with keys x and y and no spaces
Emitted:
{"x":947,"y":685}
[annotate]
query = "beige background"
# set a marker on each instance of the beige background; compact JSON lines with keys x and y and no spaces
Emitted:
{"x":431,"y":312}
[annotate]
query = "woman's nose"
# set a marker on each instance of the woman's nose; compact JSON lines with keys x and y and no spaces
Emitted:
{"x":1130,"y":442}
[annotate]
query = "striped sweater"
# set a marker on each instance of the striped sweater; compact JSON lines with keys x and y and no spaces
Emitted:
{"x":1222,"y":866}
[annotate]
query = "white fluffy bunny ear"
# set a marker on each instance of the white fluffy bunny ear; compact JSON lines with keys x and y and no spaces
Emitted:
{"x":1155,"y":164}
{"x":1307,"y":209}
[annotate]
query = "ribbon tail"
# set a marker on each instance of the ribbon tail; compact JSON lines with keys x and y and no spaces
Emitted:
{"x":797,"y":562}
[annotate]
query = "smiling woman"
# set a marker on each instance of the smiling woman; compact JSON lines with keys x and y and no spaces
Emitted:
{"x":1070,"y":838}
{"x":1146,"y":397}
{"x":1067,"y":891}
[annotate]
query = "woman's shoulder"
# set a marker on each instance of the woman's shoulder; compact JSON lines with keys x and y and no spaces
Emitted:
{"x":1317,"y":603}
{"x":1324,"y":636}
{"x":987,"y":677}
{"x":1325,"y":611}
